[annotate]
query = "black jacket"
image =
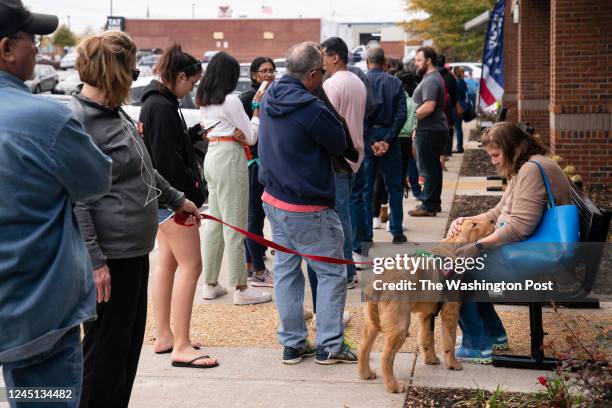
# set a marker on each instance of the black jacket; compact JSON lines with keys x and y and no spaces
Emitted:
{"x":169,"y":142}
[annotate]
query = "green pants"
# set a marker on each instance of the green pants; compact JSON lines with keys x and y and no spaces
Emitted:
{"x":225,"y":169}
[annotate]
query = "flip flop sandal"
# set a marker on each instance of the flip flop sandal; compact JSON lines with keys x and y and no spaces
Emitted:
{"x":190,"y":364}
{"x":196,"y":346}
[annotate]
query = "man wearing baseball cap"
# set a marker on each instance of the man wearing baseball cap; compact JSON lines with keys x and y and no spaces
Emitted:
{"x":48,"y":163}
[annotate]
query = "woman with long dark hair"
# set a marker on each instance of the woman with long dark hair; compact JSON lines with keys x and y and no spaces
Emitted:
{"x":170,"y":145}
{"x":225,"y":170}
{"x":262,"y":69}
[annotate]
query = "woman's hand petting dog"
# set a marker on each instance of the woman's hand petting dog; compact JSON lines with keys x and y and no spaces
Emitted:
{"x":455,"y":227}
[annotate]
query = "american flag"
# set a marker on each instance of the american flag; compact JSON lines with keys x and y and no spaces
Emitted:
{"x":266,"y":9}
{"x":492,"y":80}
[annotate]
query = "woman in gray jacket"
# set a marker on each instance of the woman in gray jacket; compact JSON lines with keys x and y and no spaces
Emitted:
{"x":120,"y":227}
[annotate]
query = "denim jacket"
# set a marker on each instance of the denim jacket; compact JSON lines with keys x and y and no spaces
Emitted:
{"x":48,"y":164}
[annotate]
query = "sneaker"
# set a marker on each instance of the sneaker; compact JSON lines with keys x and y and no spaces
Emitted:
{"x":388,"y":226}
{"x":295,"y":355}
{"x":213,"y":292}
{"x":376,"y":222}
{"x":421,"y":212}
{"x":346,"y":317}
{"x":345,"y":355}
{"x":250,"y":296}
{"x":500,"y":343}
{"x":360,"y":258}
{"x":399,"y":239}
{"x":469,"y":355}
{"x":350,"y":284}
{"x":264,"y":279}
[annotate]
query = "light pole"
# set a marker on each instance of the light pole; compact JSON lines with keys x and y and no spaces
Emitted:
{"x":111,"y":10}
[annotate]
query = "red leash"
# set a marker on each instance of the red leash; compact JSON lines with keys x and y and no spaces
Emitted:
{"x":182,"y":218}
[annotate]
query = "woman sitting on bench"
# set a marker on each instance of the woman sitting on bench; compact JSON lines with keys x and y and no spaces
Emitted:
{"x":516,"y":217}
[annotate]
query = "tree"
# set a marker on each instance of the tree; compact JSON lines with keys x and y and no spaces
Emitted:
{"x":63,"y":37}
{"x":445,"y":26}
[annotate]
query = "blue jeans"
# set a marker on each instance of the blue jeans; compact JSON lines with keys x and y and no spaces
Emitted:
{"x":343,"y":194}
{"x":391,"y":166}
{"x":479,"y":323}
{"x":60,"y":366}
{"x":315,"y":233}
{"x":357,"y":209}
{"x":429,"y":146}
{"x":255,"y":251}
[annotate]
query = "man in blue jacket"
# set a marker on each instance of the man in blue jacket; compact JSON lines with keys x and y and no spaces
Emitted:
{"x":298,"y":135}
{"x":382,"y":144}
{"x":48,"y":163}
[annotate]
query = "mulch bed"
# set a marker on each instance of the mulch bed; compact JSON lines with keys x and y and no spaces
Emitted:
{"x":460,"y":397}
{"x":474,"y":135}
{"x":476,"y":163}
{"x":256,"y":325}
{"x":466,"y":206}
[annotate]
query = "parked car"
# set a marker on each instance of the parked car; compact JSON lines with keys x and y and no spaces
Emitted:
{"x":68,"y":60}
{"x":150,"y":60}
{"x":67,"y":85}
{"x":474,"y":68}
{"x":145,"y":71}
{"x":45,"y":79}
{"x":208,"y":55}
{"x":143,"y":52}
{"x":43,"y":60}
{"x":281,"y":67}
{"x":245,"y":70}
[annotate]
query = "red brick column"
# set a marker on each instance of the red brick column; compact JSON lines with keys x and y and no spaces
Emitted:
{"x":581,"y":86}
{"x":534,"y":65}
{"x":510,"y":98}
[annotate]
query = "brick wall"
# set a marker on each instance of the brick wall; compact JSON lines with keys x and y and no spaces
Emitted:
{"x":534,"y":65}
{"x":393,"y":49}
{"x":244,"y":37}
{"x":510,"y":98}
{"x":581,"y":86}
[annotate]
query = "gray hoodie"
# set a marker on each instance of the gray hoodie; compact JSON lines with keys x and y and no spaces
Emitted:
{"x":123,"y":222}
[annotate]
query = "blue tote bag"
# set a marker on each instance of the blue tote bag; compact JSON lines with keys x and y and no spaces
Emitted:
{"x":551,"y":242}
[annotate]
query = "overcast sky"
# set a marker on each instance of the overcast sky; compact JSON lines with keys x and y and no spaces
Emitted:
{"x":93,"y":12}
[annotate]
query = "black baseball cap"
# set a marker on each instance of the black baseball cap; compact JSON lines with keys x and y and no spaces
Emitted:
{"x":14,"y":17}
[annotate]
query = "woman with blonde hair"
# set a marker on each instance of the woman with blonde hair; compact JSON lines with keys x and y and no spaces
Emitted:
{"x":517,"y":156}
{"x":119,"y":227}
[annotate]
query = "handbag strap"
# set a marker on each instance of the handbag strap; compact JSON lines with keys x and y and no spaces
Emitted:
{"x":551,"y":200}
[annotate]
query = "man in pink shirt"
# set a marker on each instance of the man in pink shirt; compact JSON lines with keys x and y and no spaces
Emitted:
{"x":347,"y":94}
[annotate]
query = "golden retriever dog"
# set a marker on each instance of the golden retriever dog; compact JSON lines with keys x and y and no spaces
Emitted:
{"x":390,"y":314}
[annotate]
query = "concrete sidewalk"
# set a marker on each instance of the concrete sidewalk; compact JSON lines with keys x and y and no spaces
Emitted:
{"x":255,"y":377}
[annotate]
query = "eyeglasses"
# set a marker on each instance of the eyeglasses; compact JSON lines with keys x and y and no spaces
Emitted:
{"x":267,"y":71}
{"x":35,"y":39}
{"x":135,"y":74}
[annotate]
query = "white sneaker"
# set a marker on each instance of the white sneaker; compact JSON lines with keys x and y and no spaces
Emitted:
{"x":250,"y":296}
{"x":376,"y":222}
{"x":213,"y":292}
{"x":346,"y":318}
{"x":359,"y":258}
{"x":388,"y":226}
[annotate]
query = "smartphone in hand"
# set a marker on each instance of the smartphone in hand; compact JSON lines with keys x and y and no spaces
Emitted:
{"x":203,"y":132}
